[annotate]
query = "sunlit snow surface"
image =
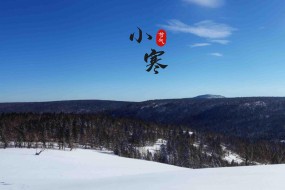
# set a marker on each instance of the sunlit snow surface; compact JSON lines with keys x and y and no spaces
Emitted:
{"x":89,"y":170}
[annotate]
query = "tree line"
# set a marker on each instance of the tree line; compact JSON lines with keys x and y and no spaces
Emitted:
{"x":124,"y":136}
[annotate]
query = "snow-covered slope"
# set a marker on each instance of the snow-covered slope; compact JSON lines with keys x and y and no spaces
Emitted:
{"x":20,"y":169}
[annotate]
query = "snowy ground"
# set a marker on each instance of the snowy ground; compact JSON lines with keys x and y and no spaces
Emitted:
{"x":88,"y":169}
{"x":154,"y":148}
{"x":231,"y":156}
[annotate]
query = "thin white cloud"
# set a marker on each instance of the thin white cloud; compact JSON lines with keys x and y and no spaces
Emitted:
{"x":207,"y":3}
{"x":217,"y":54}
{"x":200,"y":45}
{"x":206,"y":29}
{"x":223,"y":42}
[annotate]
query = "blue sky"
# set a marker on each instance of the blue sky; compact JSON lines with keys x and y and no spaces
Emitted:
{"x":70,"y":49}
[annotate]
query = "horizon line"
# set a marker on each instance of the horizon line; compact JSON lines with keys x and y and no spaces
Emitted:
{"x":130,"y":101}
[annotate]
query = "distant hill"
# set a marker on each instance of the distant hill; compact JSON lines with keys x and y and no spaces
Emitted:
{"x":73,"y":106}
{"x":256,"y":117}
{"x":209,"y":96}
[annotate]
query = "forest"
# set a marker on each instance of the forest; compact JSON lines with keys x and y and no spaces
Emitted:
{"x":124,"y":136}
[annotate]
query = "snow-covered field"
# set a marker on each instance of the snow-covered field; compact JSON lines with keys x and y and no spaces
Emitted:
{"x":89,"y":169}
